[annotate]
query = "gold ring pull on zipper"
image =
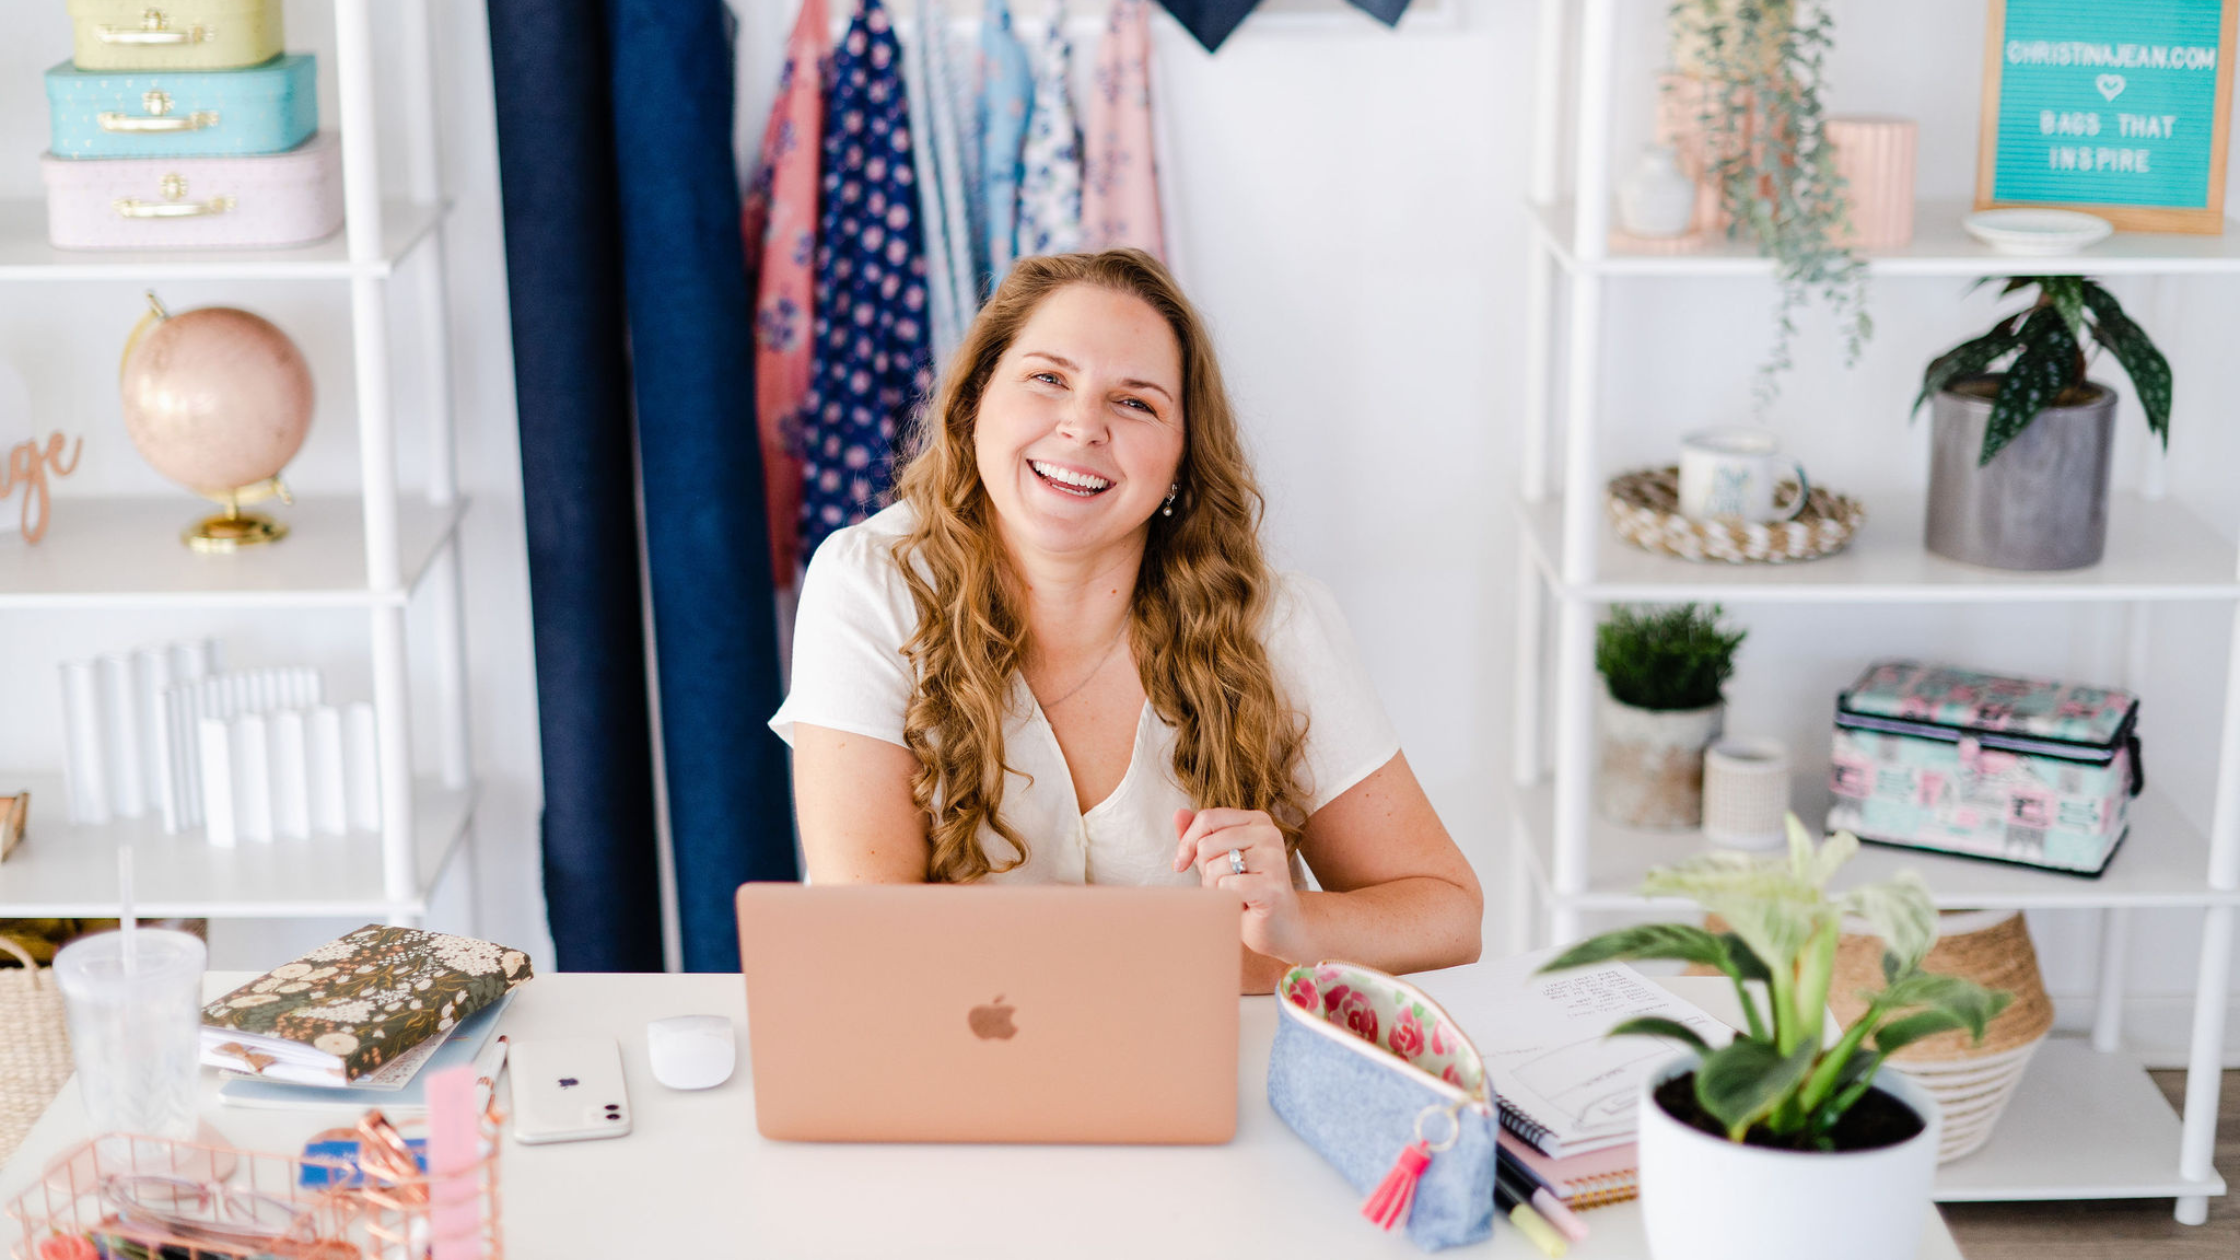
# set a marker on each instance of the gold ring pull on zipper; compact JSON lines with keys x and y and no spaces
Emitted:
{"x":1453,"y":1113}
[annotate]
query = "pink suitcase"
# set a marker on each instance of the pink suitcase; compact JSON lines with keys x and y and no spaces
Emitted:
{"x":288,"y":198}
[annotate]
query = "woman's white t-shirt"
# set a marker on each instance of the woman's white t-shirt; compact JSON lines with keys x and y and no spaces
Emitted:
{"x":849,"y":674}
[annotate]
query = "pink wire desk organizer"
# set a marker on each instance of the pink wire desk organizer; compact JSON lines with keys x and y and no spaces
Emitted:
{"x":127,"y":1197}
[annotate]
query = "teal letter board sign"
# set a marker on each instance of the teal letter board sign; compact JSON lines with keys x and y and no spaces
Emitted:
{"x":2118,"y":107}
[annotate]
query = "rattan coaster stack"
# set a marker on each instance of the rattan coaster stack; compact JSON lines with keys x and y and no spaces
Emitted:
{"x":1645,"y":509}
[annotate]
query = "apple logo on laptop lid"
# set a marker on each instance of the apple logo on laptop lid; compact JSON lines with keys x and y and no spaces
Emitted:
{"x":992,"y":1021}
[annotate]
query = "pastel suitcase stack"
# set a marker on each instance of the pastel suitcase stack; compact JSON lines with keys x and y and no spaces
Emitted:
{"x":186,"y":127}
{"x":1984,"y":765}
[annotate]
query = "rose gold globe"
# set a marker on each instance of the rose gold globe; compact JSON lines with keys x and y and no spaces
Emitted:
{"x":218,"y":400}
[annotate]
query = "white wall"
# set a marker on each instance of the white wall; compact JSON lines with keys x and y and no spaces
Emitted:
{"x":1351,"y":225}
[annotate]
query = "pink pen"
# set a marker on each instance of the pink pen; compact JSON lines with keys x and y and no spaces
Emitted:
{"x":1564,"y":1219}
{"x":454,"y":1150}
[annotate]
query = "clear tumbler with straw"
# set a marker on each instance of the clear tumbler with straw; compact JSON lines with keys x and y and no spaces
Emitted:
{"x":133,"y":999}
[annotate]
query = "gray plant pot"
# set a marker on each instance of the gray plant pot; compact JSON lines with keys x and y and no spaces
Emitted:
{"x":2042,"y":501}
{"x":1651,"y":762}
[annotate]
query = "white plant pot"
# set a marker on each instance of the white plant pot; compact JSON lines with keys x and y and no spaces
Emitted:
{"x":1705,"y":1198}
{"x":1651,"y":763}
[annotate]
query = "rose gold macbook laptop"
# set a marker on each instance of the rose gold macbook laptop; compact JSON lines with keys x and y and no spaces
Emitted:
{"x":986,"y":1014}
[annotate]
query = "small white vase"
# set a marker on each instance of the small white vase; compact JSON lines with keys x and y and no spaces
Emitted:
{"x":1657,"y":198}
{"x":1705,"y":1198}
{"x":1746,"y":793}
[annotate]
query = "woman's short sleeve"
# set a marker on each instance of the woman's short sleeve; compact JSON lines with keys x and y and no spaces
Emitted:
{"x":1348,"y":735}
{"x":849,"y":673}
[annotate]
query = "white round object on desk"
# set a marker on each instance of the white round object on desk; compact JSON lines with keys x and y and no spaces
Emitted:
{"x":1746,"y":793}
{"x":2035,"y":232}
{"x":691,"y":1051}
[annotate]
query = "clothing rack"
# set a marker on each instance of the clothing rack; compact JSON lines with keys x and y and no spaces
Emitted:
{"x":1085,"y":19}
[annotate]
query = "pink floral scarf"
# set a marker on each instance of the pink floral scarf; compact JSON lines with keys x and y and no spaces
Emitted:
{"x":1120,"y":185}
{"x":780,"y":225}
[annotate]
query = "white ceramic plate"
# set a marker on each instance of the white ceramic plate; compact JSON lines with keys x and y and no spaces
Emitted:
{"x":2037,"y":233}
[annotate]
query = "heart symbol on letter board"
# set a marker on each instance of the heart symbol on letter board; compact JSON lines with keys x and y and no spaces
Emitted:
{"x":2110,"y":85}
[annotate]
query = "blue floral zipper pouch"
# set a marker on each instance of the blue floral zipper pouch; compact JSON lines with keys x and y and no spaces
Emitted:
{"x":1384,"y":1086}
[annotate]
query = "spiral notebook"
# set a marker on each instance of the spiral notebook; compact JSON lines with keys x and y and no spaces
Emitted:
{"x":1610,"y":1175}
{"x":1566,"y":1087}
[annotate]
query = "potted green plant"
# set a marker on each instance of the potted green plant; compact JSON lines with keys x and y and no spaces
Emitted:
{"x":1754,"y":70}
{"x":1662,"y":704}
{"x":1782,"y":1143}
{"x":2020,"y":459}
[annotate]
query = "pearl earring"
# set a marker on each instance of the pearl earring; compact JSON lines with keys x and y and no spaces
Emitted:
{"x":1172,"y":490}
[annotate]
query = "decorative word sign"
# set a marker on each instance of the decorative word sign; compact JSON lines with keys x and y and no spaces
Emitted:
{"x":26,"y":468}
{"x":2117,"y":107}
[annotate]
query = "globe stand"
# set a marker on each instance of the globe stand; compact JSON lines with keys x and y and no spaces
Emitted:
{"x":233,"y":529}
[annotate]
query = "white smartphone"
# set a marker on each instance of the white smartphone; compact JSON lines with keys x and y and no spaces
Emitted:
{"x":568,"y":1089}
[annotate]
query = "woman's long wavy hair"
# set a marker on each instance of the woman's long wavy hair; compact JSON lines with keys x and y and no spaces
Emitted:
{"x":1200,"y":597}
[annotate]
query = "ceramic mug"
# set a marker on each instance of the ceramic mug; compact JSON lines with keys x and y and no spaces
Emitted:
{"x":1731,"y":473}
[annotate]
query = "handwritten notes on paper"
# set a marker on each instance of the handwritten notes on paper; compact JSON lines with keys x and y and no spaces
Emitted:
{"x":2118,"y":106}
{"x":1546,"y":1043}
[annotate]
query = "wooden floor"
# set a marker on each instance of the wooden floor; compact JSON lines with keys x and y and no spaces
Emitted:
{"x":2129,"y":1229}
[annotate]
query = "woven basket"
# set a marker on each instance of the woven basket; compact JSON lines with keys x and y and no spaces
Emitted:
{"x":1644,"y":508}
{"x":1972,"y":1083}
{"x":1991,"y":948}
{"x":34,"y":1047}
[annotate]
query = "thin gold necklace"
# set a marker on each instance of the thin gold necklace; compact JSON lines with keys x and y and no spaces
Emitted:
{"x":1094,"y":670}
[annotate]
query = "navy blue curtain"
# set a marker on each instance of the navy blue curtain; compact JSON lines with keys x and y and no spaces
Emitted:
{"x":628,"y":284}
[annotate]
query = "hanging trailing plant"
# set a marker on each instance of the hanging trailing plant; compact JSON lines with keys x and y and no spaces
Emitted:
{"x":1764,"y":62}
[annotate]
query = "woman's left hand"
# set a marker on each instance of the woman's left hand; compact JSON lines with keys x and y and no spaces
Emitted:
{"x":1206,"y":837}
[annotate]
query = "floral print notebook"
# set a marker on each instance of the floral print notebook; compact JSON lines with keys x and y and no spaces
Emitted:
{"x":356,"y":1003}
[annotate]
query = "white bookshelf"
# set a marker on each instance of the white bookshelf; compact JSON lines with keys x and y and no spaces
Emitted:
{"x":72,"y":871}
{"x":125,"y":553}
{"x":1940,"y":247}
{"x":2158,"y":549}
{"x":26,"y":256}
{"x":2163,"y":865}
{"x":2084,"y":1124}
{"x":375,"y":552}
{"x":2087,"y":1123}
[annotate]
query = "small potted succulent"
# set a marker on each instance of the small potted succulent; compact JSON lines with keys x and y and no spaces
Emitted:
{"x":1781,"y":1143}
{"x":2020,"y":459}
{"x":1661,"y":707}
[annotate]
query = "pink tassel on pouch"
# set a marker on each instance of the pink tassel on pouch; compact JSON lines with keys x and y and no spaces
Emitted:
{"x":1388,"y":1205}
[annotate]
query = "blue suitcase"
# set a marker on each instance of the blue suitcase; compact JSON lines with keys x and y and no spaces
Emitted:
{"x":268,"y":108}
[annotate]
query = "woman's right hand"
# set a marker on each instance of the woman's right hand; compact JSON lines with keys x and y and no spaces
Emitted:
{"x":1272,"y":923}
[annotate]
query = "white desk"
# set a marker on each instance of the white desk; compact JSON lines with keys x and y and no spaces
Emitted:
{"x":693,"y":1178}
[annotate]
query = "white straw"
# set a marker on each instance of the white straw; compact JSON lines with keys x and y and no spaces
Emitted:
{"x":125,"y":920}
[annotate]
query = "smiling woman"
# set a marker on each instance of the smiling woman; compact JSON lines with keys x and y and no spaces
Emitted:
{"x":1060,"y":657}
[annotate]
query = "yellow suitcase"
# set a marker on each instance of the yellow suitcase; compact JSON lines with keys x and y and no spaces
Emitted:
{"x":175,"y":34}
